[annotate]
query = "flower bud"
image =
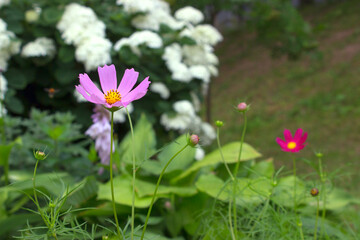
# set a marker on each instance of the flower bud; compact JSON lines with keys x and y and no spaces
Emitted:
{"x":242,"y":107}
{"x":51,"y":205}
{"x":193,"y":140}
{"x":39,"y":155}
{"x":219,"y":124}
{"x":319,"y":155}
{"x":314,"y":192}
{"x":167,"y":205}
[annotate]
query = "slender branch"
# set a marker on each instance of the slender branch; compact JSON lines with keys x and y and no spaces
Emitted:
{"x":235,"y":176}
{"x":111,"y":174}
{"x":156,"y":188}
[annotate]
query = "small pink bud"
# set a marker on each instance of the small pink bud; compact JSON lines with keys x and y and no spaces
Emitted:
{"x":242,"y":107}
{"x":193,"y":140}
{"x":167,"y":205}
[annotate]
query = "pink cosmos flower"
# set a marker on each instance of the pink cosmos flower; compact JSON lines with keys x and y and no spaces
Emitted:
{"x":292,"y":144}
{"x":111,"y":94}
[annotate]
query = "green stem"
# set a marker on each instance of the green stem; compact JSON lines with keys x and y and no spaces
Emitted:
{"x":298,"y":220}
{"x":323,"y":191}
{"x":156,"y":188}
{"x":230,"y":223}
{"x":235,"y":176}
{"x":35,"y":197}
{"x":294,"y":168}
{"x":133,"y":176}
{"x":111,"y":175}
{"x":221,"y":153}
{"x":317,"y":216}
{"x":6,"y":171}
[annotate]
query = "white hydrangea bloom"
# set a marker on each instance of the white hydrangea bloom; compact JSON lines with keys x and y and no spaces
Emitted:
{"x":194,"y":55}
{"x":150,"y":39}
{"x":207,"y":134}
{"x":152,"y":21}
{"x":8,"y":45}
{"x":4,"y":3}
{"x":121,"y":115}
{"x":172,"y":53}
{"x":3,"y":25}
{"x":190,"y":15}
{"x":200,"y":72}
{"x":213,"y":70}
{"x":161,"y":89}
{"x":41,"y":47}
{"x":94,"y":52}
{"x":184,"y":107}
{"x":3,"y":88}
{"x":180,"y":72}
{"x":195,"y":101}
{"x":186,"y":119}
{"x":132,"y":6}
{"x":182,"y":120}
{"x":199,"y":153}
{"x":80,"y":26}
{"x":203,"y":34}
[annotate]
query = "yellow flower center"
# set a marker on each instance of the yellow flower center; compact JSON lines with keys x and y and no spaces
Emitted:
{"x":112,"y":96}
{"x":291,"y":145}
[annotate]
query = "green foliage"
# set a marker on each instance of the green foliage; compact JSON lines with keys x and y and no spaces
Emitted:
{"x":230,"y":151}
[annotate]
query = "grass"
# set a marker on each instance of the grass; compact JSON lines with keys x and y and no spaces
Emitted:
{"x":319,"y":93}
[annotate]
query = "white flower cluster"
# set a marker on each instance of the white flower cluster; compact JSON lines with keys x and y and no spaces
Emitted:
{"x":80,"y":26}
{"x":4,"y":3}
{"x":8,"y":45}
{"x":41,"y":47}
{"x":3,"y":88}
{"x":154,"y":13}
{"x":150,"y":39}
{"x":186,"y":119}
{"x":161,"y":89}
{"x":189,"y":15}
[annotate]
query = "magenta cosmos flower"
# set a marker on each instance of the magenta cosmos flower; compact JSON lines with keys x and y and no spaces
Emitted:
{"x":292,"y":144}
{"x":111,"y":94}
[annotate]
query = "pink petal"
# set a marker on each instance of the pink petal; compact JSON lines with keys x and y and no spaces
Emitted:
{"x":281,"y":142}
{"x":90,"y":98}
{"x":97,"y":99}
{"x":118,"y":104}
{"x":128,"y":81}
{"x":298,"y":134}
{"x":137,"y":93}
{"x":89,"y":86}
{"x":287,"y":135}
{"x":107,"y":75}
{"x":298,"y":148}
{"x":303,"y":138}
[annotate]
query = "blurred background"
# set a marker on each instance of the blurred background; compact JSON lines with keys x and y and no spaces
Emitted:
{"x":295,"y":62}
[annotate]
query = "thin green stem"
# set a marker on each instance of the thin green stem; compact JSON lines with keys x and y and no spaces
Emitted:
{"x":317,"y":217}
{"x":230,"y":223}
{"x":156,"y":188}
{"x":294,"y":169}
{"x":235,"y":176}
{"x":111,"y":175}
{"x":221,"y":153}
{"x":35,"y":197}
{"x":6,"y":171}
{"x":323,"y":192}
{"x":298,"y":220}
{"x":133,"y":176}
